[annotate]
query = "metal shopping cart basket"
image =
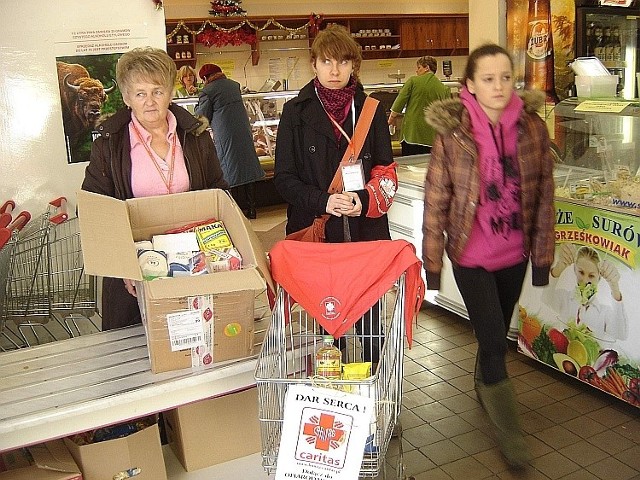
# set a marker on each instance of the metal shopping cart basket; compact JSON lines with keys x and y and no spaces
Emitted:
{"x":394,"y":288}
{"x":8,"y":240}
{"x":46,"y":279}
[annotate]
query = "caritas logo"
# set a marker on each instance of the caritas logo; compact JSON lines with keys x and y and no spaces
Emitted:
{"x":323,"y":436}
{"x":331,"y":307}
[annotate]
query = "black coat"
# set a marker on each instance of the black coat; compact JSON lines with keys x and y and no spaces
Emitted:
{"x":308,"y":155}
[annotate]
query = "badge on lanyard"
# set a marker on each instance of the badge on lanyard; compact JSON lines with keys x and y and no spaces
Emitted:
{"x":353,"y":176}
{"x":352,"y":173}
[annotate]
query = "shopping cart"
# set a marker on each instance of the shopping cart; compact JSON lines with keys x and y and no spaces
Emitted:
{"x":9,"y":230}
{"x":295,"y":333}
{"x":46,"y":278}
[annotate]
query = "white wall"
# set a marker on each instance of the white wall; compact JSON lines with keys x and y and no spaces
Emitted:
{"x":33,"y":164}
{"x":487,"y":22}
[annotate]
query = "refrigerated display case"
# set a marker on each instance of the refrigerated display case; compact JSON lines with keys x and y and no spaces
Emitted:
{"x":612,"y":35}
{"x":264,"y":109}
{"x":586,"y":322}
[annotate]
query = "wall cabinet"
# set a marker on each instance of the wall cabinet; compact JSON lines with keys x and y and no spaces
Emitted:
{"x":378,"y":37}
{"x":441,"y":35}
{"x":389,"y":36}
{"x":181,"y":45}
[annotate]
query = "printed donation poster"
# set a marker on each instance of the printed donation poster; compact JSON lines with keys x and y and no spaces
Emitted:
{"x":86,"y":70}
{"x":324,"y":434}
{"x":585,"y":323}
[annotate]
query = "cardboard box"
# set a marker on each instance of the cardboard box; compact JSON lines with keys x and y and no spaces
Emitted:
{"x":214,"y":431}
{"x":228,"y":332}
{"x":103,"y":460}
{"x":109,"y":228}
{"x":46,"y":461}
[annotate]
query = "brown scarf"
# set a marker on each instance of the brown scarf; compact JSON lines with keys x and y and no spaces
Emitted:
{"x":336,"y":102}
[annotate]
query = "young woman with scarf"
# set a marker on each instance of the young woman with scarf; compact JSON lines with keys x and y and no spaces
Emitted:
{"x":314,"y":132}
{"x":490,"y":188}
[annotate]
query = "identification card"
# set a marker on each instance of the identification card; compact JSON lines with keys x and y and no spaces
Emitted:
{"x":353,"y":176}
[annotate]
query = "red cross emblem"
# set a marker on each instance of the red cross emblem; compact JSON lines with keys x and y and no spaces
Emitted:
{"x":325,"y":432}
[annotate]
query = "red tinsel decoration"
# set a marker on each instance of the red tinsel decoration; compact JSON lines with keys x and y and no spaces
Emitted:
{"x":220,"y":38}
{"x":315,"y":20}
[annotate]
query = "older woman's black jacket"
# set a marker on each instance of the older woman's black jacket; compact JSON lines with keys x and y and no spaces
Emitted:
{"x":109,"y":169}
{"x":307,"y":156}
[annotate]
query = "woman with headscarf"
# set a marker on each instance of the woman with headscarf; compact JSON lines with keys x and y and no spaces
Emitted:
{"x":220,"y":101}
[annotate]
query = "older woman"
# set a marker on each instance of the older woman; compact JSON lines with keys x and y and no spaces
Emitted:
{"x":221,"y":103}
{"x":150,"y":148}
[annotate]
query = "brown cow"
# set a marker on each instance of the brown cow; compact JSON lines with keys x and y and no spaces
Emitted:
{"x":82,"y":99}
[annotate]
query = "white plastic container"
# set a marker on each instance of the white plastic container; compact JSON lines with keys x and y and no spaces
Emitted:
{"x":597,"y":86}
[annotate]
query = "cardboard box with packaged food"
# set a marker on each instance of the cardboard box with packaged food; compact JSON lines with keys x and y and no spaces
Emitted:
{"x":191,"y":320}
{"x":128,"y":455}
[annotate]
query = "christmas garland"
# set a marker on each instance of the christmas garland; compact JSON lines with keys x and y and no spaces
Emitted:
{"x":219,"y":38}
{"x":211,"y":38}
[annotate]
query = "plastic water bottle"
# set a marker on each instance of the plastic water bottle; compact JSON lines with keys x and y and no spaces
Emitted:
{"x":328,"y":360}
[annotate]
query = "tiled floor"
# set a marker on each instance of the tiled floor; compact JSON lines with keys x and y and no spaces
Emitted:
{"x":575,"y":432}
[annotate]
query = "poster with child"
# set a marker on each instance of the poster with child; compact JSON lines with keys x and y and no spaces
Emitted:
{"x":585,"y":322}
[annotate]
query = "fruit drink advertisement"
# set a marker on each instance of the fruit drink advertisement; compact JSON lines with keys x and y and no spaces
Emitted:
{"x":585,"y":323}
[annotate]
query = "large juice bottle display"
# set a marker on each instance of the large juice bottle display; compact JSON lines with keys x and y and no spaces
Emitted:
{"x":539,"y":69}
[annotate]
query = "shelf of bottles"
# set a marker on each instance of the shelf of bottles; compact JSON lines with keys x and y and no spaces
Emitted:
{"x":603,"y":42}
{"x":181,"y":47}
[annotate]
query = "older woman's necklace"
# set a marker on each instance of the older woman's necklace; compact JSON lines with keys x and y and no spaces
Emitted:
{"x":167,"y":180}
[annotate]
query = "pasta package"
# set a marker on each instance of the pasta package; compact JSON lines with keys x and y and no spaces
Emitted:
{"x":213,"y":236}
{"x":355,"y":371}
{"x":215,"y":242}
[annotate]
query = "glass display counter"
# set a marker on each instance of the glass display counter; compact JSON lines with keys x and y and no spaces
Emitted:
{"x":264,"y":110}
{"x":586,"y":322}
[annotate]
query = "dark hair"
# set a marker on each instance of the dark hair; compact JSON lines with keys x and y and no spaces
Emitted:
{"x":487,"y":50}
{"x":428,"y":61}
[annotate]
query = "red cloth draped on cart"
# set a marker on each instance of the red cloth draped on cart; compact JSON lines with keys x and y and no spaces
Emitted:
{"x":337,"y":283}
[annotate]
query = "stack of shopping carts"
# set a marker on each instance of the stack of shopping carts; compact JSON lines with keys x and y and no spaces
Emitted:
{"x":45,"y":278}
{"x":9,"y":230}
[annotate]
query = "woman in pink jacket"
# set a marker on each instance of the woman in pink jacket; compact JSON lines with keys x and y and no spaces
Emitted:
{"x":489,"y":188}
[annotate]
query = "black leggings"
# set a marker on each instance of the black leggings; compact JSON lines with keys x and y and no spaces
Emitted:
{"x":490,"y":298}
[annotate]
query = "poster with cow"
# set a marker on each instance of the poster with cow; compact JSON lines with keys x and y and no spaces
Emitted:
{"x":88,"y":92}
